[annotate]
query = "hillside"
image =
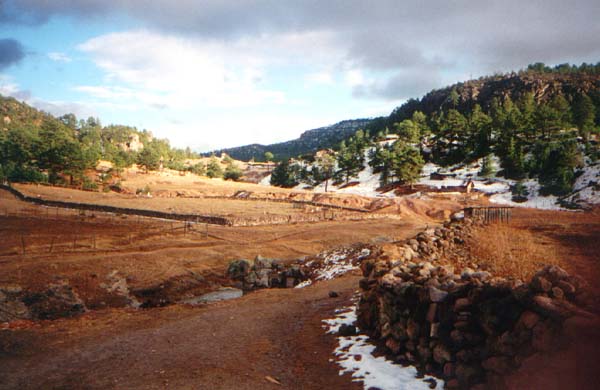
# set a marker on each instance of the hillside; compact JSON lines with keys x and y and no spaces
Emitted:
{"x":533,"y":135}
{"x":544,"y":85}
{"x":309,"y":142}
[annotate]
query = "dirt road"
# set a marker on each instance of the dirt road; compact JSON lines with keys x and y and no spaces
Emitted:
{"x":228,"y":345}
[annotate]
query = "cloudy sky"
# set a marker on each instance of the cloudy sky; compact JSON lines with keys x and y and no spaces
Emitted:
{"x":218,"y":73}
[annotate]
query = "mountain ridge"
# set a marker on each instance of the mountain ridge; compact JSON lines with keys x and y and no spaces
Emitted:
{"x":309,"y":142}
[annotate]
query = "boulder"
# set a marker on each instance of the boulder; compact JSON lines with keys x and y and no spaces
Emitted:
{"x":238,"y":269}
{"x":558,"y":309}
{"x":528,"y":319}
{"x":262,"y":263}
{"x":441,"y":354}
{"x":437,"y":295}
{"x":263,"y":278}
{"x":541,"y":284}
{"x":59,"y":300}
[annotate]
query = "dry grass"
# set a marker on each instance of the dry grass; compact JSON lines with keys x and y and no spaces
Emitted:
{"x":509,"y":251}
{"x":535,"y":238}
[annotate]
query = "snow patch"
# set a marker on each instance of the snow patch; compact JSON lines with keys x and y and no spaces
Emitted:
{"x":368,"y":183}
{"x":266,"y":181}
{"x":354,"y":354}
{"x":338,"y":262}
{"x":534,"y":199}
{"x":306,"y":283}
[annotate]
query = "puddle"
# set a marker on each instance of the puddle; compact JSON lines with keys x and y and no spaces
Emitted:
{"x":222,"y":294}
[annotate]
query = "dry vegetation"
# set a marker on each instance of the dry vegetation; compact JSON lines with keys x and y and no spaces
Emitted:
{"x":535,"y":238}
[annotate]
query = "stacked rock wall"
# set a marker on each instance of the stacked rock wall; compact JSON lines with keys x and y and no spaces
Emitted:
{"x":469,"y":328}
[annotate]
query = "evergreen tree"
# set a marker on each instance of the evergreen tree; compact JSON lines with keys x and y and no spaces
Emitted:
{"x":324,"y":168}
{"x":283,"y":175}
{"x":480,"y":133}
{"x":420,"y":120}
{"x":149,"y":158}
{"x":487,"y":167}
{"x":406,"y":162}
{"x":527,"y":121}
{"x":408,"y":131}
{"x":563,"y":111}
{"x":584,"y":114}
{"x":557,"y":169}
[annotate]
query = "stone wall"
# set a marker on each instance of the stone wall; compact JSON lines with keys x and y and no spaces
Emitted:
{"x":213,"y":220}
{"x":465,"y":326}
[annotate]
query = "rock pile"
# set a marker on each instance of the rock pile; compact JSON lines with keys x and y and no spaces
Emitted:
{"x":264,"y":273}
{"x":467,"y":327}
{"x":58,"y":300}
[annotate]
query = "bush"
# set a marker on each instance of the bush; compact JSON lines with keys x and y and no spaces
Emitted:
{"x":232,"y":172}
{"x":23,"y":174}
{"x":519,"y":192}
{"x":88,"y":184}
{"x":213,"y":169}
{"x":198,"y":169}
{"x":143,"y":191}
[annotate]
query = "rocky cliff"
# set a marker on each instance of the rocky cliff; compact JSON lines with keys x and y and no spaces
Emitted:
{"x":482,"y":91}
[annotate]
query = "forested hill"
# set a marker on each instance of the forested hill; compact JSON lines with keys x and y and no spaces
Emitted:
{"x":541,"y":124}
{"x":540,"y":81}
{"x":37,"y":147}
{"x":309,"y":142}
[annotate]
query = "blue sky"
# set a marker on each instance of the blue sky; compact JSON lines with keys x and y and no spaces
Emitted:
{"x":211,"y":74}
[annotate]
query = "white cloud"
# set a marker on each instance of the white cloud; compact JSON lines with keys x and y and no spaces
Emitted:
{"x":323,"y":77}
{"x":59,"y":57}
{"x":177,"y":72}
{"x":354,"y":77}
{"x":55,"y":107}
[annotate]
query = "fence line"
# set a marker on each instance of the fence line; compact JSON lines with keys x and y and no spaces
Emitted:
{"x":213,"y":220}
{"x":490,"y":214}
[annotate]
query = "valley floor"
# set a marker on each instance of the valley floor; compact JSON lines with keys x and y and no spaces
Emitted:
{"x":266,"y":336}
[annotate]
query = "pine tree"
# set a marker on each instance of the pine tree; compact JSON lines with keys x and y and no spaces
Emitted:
{"x":283,"y":175}
{"x":406,"y":162}
{"x":487,"y":168}
{"x":480,"y":128}
{"x":408,"y":131}
{"x":584,"y":114}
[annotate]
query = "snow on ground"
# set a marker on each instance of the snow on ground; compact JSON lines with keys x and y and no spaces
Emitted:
{"x":498,"y":188}
{"x":368,"y":182}
{"x":354,"y":354}
{"x":266,"y":181}
{"x":462,"y":173}
{"x":306,"y":283}
{"x":534,"y":199}
{"x":338,"y":262}
{"x":587,"y":186}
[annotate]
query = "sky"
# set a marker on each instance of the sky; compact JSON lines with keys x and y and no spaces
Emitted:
{"x":211,"y":74}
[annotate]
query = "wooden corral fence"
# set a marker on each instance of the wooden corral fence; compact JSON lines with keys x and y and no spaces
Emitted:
{"x":489,"y":214}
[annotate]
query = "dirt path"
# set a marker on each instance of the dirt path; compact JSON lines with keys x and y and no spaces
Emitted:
{"x":228,"y":345}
